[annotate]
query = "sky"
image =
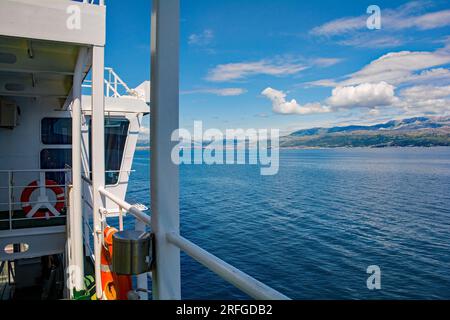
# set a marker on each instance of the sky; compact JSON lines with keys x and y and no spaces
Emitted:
{"x":292,"y":64}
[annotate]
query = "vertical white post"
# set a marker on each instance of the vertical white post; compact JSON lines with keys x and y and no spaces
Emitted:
{"x":164,"y":120}
{"x":98,"y":156}
{"x":108,"y":84}
{"x":10,"y":197}
{"x":42,"y":186}
{"x":86,"y":229}
{"x":115,"y":85}
{"x":120,"y":219}
{"x":76,"y":209}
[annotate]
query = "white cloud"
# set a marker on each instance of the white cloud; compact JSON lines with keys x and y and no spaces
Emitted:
{"x":352,"y":31}
{"x":367,"y":95}
{"x":432,"y":20}
{"x":409,"y":16}
{"x":435,"y":76}
{"x":422,"y":76}
{"x":239,"y":71}
{"x":201,"y":39}
{"x":428,"y":91}
{"x":374,"y":112}
{"x":426,"y":99}
{"x":339,"y":26}
{"x":367,"y":40}
{"x":282,"y":106}
{"x":322,"y":83}
{"x":397,"y":67}
{"x":223,"y":92}
{"x":326,"y":62}
{"x":440,"y":107}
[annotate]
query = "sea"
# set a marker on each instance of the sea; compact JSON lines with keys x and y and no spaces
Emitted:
{"x":313,"y":230}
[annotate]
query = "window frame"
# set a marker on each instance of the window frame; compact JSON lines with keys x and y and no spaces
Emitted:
{"x":41,"y":127}
{"x":45,"y":146}
{"x":89,"y":124}
{"x":51,"y":148}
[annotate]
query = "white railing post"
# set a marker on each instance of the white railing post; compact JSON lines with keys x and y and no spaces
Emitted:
{"x":108,"y":84}
{"x":98,"y":156}
{"x":42,"y":186}
{"x":115,"y":87}
{"x":76,"y":209}
{"x":164,"y":121}
{"x":10,"y":197}
{"x":120,"y":219}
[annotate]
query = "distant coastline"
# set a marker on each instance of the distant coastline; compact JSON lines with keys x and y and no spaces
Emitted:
{"x":147,"y":148}
{"x":412,"y":132}
{"x":424,"y":132}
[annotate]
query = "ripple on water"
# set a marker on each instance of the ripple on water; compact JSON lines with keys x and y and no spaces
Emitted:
{"x":312,"y":230}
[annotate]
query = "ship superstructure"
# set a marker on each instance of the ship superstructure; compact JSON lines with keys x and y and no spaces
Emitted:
{"x":68,"y":132}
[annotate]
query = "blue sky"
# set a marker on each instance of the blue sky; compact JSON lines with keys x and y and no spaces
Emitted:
{"x":295,"y":64}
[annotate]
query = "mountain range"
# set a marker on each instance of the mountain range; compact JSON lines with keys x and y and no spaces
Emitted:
{"x":411,"y":132}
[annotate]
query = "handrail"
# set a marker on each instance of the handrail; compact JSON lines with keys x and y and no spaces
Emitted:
{"x":86,"y":179}
{"x":100,"y":2}
{"x":113,"y":78}
{"x":42,"y":185}
{"x":127,"y":207}
{"x":236,"y":277}
{"x":115,"y":87}
{"x":36,"y":170}
{"x":36,"y":218}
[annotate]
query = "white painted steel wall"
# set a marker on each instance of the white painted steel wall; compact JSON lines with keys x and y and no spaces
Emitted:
{"x":48,"y":20}
{"x":21,"y":146}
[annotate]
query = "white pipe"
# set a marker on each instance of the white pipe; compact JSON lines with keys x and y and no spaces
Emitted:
{"x":76,"y":209}
{"x":128,"y":207}
{"x":236,"y":277}
{"x":164,"y":121}
{"x":98,"y":156}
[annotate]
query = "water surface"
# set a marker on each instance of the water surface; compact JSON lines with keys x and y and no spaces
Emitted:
{"x":312,"y":230}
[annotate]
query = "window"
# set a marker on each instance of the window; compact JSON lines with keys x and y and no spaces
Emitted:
{"x":56,"y":159}
{"x":56,"y":131}
{"x":116,"y":132}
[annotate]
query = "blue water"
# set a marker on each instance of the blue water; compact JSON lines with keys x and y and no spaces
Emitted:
{"x":312,"y":230}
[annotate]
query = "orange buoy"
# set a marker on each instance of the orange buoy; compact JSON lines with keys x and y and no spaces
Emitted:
{"x":42,"y":213}
{"x":115,"y":287}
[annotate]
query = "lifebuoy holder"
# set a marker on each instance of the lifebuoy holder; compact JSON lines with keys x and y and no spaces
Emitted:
{"x":43,"y":208}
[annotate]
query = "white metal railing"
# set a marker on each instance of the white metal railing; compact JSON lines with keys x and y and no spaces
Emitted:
{"x":88,"y":231}
{"x":115,"y":87}
{"x":12,"y":204}
{"x":236,"y":277}
{"x":123,"y":205}
{"x":99,"y":2}
{"x":232,"y":275}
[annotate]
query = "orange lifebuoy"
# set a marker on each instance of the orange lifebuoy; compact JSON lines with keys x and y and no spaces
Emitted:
{"x":42,"y":213}
{"x":115,"y":287}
